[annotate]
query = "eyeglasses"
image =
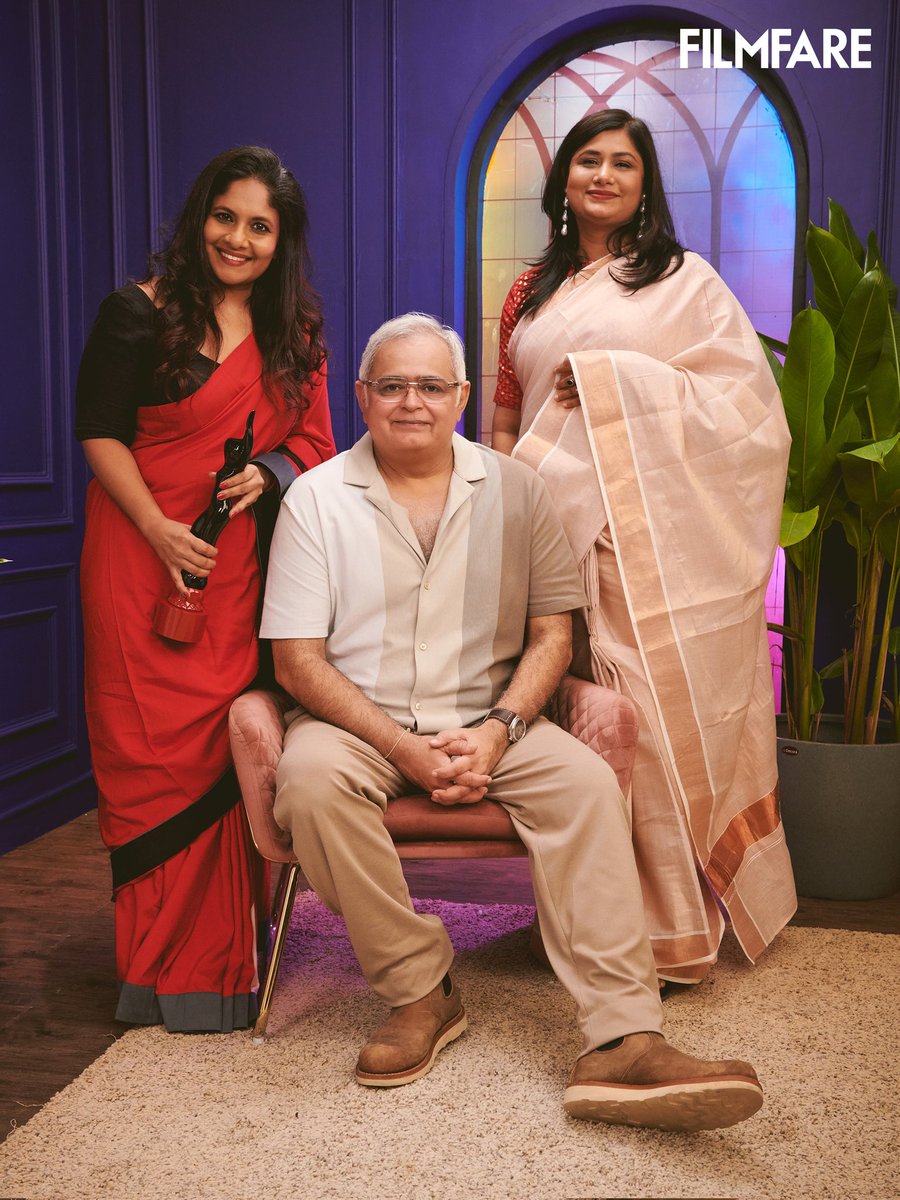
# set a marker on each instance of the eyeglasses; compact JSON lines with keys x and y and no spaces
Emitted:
{"x":394,"y":388}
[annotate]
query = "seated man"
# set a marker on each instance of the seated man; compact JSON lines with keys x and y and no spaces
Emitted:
{"x":419,"y":600}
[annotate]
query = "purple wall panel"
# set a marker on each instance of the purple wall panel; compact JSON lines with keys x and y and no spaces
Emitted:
{"x":279,"y":80}
{"x":44,"y":767}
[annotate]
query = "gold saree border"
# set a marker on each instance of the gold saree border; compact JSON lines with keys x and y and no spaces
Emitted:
{"x":744,"y":830}
{"x":610,"y":441}
{"x":645,"y":594}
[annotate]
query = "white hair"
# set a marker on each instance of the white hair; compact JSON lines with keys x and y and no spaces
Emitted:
{"x":409,"y":325}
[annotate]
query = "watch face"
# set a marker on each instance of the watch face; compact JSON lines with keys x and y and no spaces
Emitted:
{"x":517,"y":728}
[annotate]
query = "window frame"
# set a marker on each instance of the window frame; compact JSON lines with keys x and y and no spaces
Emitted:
{"x":544,"y":65}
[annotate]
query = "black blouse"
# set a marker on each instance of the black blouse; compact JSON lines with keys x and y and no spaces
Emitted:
{"x":116,"y":376}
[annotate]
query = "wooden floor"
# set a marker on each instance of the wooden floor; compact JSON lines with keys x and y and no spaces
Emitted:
{"x":57,"y":966}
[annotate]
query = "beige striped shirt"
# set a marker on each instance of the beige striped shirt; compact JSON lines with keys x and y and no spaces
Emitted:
{"x":433,"y":642}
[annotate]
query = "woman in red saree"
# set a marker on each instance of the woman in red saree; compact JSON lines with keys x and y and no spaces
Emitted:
{"x":636,"y":387}
{"x":174,"y":366}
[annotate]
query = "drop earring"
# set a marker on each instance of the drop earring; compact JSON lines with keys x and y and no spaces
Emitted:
{"x":642,"y":210}
{"x":564,"y":228}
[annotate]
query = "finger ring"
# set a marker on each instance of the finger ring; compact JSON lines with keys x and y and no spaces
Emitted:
{"x":570,"y":381}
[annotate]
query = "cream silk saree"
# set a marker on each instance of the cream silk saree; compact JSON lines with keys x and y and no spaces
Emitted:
{"x":669,"y":479}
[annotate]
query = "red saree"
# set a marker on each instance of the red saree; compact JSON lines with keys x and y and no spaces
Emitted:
{"x":157,"y":710}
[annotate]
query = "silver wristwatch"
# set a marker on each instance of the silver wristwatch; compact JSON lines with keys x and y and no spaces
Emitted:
{"x":515,"y":726}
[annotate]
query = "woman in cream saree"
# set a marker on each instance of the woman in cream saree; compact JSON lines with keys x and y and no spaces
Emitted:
{"x":668,"y":475}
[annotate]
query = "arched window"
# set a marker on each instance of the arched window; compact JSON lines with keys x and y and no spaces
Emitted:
{"x":734,"y":169}
{"x":727,"y":160}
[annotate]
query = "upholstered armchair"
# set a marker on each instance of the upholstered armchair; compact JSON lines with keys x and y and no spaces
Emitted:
{"x":597,"y":716}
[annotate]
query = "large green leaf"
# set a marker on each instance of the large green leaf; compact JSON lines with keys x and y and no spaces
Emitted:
{"x":795,"y":554}
{"x":874,"y":261}
{"x":784,"y":630}
{"x":888,"y":480}
{"x":835,"y":670}
{"x":856,"y":531}
{"x":824,"y":471}
{"x":795,"y":526}
{"x":891,"y":347}
{"x":872,"y":475}
{"x":889,"y":540}
{"x":875,"y":452}
{"x":883,"y":403}
{"x":769,"y":346}
{"x":858,"y":340}
{"x":835,"y":272}
{"x":839,"y":225}
{"x":860,"y":332}
{"x":817,"y":699}
{"x":807,"y":374}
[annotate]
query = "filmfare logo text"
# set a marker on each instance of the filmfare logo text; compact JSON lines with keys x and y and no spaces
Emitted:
{"x":845,"y":49}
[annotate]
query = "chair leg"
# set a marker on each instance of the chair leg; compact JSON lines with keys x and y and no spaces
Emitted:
{"x":269,"y":925}
{"x":282,"y":908}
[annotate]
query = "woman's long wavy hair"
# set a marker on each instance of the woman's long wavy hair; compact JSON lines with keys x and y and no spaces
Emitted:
{"x":650,"y":256}
{"x":284,"y":308}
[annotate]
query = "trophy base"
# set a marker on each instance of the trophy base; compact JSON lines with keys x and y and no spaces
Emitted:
{"x":179,"y":618}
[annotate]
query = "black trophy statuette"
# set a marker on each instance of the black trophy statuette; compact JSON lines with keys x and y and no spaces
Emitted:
{"x":183,"y":618}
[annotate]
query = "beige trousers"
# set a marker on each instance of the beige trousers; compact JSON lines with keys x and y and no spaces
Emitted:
{"x":567,"y":808}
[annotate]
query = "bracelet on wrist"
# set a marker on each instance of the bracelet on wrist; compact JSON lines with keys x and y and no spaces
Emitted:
{"x":397,"y":743}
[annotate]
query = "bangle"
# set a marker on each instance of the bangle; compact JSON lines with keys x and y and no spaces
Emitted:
{"x":397,"y":743}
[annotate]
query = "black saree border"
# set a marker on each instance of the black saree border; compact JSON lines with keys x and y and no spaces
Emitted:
{"x":151,"y":849}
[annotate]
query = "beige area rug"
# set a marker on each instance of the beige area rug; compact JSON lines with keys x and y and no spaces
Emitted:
{"x":210,"y":1117}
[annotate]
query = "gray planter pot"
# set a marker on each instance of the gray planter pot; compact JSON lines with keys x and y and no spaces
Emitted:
{"x":841,"y":811}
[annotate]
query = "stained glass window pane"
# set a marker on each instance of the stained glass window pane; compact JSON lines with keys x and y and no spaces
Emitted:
{"x":726,"y":164}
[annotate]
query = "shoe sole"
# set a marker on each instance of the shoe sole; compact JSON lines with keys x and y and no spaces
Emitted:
{"x":446,"y":1034}
{"x":677,"y":1107}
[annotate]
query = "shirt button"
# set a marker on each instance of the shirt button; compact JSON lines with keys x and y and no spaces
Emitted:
{"x":417,"y":706}
{"x":423,"y":645}
{"x":427,"y":587}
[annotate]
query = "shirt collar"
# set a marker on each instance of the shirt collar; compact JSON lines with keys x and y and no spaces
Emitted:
{"x":361,"y":470}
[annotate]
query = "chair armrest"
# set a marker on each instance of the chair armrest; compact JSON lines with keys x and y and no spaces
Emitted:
{"x":256,"y":730}
{"x":601,"y":718}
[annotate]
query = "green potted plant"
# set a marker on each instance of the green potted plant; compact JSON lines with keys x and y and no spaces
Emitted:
{"x":839,"y":776}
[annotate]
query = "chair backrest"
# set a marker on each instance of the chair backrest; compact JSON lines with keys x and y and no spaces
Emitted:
{"x":604,"y":720}
{"x":597,"y":716}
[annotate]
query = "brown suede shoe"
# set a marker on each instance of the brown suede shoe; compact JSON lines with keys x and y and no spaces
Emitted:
{"x":406,"y":1045}
{"x":647,"y":1082}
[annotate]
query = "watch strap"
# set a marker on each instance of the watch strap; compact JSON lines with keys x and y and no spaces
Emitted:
{"x":511,"y":720}
{"x":506,"y":715}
